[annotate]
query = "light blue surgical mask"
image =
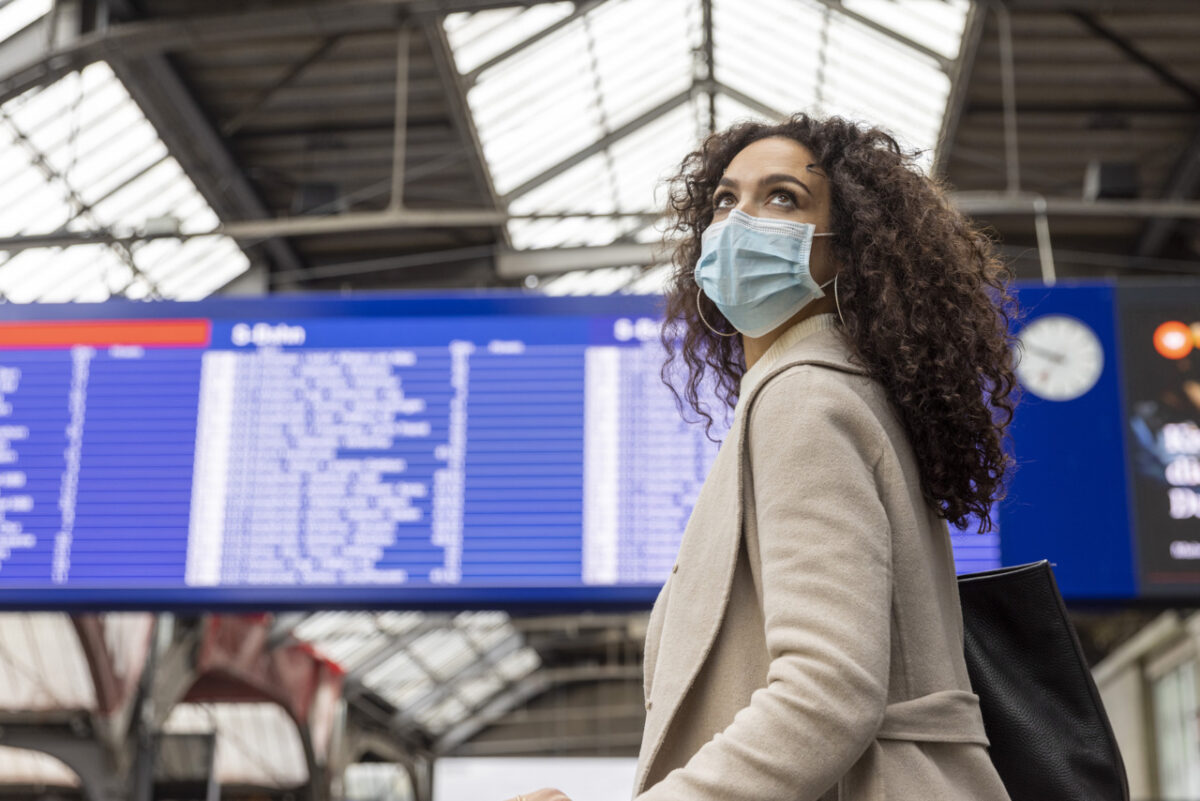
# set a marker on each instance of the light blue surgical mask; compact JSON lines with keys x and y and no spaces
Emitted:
{"x":756,"y":270}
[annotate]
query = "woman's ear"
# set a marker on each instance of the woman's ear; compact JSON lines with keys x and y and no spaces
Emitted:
{"x":824,"y":264}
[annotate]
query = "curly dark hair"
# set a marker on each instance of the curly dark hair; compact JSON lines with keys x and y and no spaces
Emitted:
{"x":924,"y":297}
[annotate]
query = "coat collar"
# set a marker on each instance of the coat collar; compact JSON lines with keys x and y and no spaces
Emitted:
{"x":819,"y":339}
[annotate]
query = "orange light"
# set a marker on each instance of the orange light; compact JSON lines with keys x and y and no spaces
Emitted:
{"x":1174,"y":340}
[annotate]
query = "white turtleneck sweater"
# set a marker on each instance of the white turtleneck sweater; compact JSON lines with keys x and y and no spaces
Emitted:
{"x":762,"y":367}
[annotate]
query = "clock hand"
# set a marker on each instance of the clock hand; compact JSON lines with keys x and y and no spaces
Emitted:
{"x":1053,"y":356}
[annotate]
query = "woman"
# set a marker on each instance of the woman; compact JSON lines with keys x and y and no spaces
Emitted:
{"x":808,"y":643}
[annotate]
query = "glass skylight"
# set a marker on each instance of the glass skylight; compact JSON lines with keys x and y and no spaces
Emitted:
{"x":544,"y":111}
{"x":79,"y":155}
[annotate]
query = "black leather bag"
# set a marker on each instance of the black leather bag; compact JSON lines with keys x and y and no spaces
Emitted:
{"x":1050,"y":738}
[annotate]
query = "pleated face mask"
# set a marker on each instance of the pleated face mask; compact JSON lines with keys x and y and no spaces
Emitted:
{"x":756,"y":270}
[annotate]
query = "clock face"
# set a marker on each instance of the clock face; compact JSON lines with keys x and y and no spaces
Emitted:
{"x":1059,"y":358}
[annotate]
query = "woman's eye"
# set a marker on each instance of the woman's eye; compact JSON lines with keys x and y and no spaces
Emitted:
{"x":723,"y":201}
{"x":787,"y":197}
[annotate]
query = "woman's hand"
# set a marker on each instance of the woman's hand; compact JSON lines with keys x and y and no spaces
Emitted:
{"x":545,"y":794}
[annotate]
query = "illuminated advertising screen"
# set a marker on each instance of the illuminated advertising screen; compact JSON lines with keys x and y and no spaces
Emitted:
{"x":1161,"y":332}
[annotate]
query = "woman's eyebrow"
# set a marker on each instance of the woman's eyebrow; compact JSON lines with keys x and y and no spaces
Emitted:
{"x":784,"y":177}
{"x":770,"y":179}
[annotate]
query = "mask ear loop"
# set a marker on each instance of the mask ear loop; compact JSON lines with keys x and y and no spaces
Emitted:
{"x":701,"y":313}
{"x":836,"y":301}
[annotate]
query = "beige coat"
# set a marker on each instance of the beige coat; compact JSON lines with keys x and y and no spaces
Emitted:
{"x":808,"y":644}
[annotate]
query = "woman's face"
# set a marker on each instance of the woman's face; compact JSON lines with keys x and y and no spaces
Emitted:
{"x":779,"y":178}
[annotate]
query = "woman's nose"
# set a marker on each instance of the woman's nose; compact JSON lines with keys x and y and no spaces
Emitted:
{"x":748,"y":206}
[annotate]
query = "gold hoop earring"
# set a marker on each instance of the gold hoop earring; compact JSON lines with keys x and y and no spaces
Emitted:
{"x":710,"y":328}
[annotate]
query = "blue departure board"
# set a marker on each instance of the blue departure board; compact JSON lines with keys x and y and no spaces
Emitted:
{"x":424,"y":451}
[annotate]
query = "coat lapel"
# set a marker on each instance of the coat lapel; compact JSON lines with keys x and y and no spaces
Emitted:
{"x":699,"y":592}
{"x":698,"y":595}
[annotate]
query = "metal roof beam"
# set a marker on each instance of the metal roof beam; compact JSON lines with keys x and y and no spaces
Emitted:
{"x":1135,"y":54}
{"x":256,"y":105}
{"x":145,"y":37}
{"x":113,"y":691}
{"x":197,"y":147}
{"x":400,"y":116}
{"x":1186,"y":177}
{"x":569,"y":711}
{"x":496,"y":707}
{"x":1088,"y":108}
{"x":1008,"y":89}
{"x":460,"y":112}
{"x":1184,"y":183}
{"x":602,"y":742}
{"x":79,"y":207}
{"x":752,"y":103}
{"x":459,"y":256}
{"x":971,"y":203}
{"x":1112,"y":262}
{"x":998,"y":203}
{"x":322,"y":224}
{"x":630,"y":621}
{"x":139,"y":38}
{"x":553,"y":261}
{"x":361,"y":741}
{"x":470,"y":78}
{"x":945,"y":64}
{"x":1004,"y":203}
{"x":190,"y":137}
{"x":368,"y":712}
{"x":284,"y":625}
{"x":602,"y":144}
{"x":405,"y":718}
{"x":960,"y":79}
{"x":388,"y":646}
{"x":525,"y":690}
{"x":710,"y":62}
{"x":1104,"y":6}
{"x":442,"y":7}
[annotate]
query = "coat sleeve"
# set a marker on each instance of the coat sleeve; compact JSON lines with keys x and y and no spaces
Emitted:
{"x":825,"y":546}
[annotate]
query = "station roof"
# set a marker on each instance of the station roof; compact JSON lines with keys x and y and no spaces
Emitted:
{"x":555,"y":121}
{"x":1105,"y":108}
